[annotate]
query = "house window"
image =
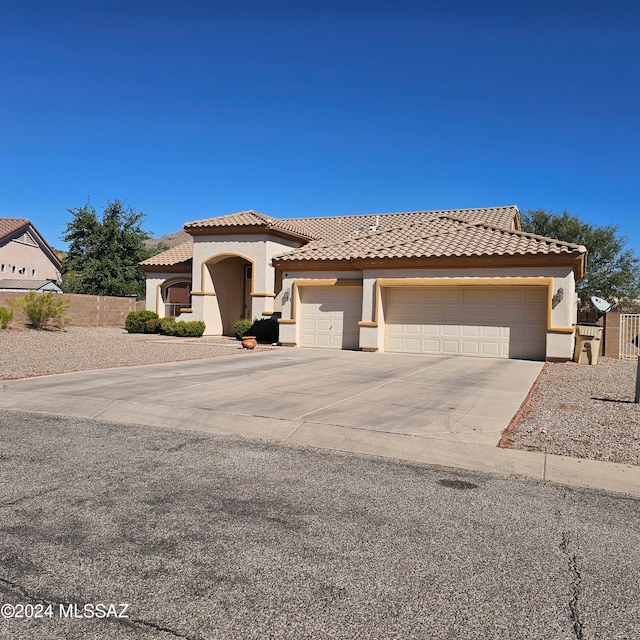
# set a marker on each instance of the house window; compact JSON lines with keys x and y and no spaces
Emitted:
{"x":13,"y":269}
{"x":33,"y":273}
{"x":22,"y":271}
{"x":177,"y":296}
{"x":2,"y":268}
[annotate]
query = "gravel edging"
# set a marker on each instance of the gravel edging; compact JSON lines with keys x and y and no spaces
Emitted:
{"x":26,"y":352}
{"x":583,"y":411}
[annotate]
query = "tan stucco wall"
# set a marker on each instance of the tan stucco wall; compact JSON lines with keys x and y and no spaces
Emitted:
{"x":19,"y":255}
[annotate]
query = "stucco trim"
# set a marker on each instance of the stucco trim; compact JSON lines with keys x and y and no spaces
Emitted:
{"x":320,"y":282}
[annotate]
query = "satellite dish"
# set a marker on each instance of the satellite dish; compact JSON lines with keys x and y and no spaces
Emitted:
{"x":600,"y":304}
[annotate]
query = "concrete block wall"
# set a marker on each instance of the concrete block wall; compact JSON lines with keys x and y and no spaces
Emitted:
{"x":87,"y":311}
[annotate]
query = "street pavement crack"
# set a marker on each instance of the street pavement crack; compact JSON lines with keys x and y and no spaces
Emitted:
{"x":576,"y":584}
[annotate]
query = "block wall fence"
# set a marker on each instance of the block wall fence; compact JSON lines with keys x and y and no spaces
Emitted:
{"x":86,"y":311}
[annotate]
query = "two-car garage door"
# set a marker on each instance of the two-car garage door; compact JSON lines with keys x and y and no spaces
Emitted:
{"x":482,"y":321}
{"x":493,"y":322}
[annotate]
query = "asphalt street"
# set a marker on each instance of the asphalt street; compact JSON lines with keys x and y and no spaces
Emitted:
{"x":209,"y":536}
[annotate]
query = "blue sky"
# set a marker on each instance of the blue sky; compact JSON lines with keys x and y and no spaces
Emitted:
{"x":190,"y":109}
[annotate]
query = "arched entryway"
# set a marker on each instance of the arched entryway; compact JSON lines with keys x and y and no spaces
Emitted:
{"x":230,"y":277}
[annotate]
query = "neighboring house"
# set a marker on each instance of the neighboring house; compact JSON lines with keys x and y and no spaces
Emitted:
{"x":29,"y":285}
{"x":462,"y":282}
{"x":25,"y":256}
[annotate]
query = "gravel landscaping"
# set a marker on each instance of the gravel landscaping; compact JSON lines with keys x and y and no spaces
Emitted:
{"x":583,"y":411}
{"x":26,"y":352}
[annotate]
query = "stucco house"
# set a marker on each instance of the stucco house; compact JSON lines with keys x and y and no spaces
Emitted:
{"x":26,"y":257}
{"x":460,"y":282}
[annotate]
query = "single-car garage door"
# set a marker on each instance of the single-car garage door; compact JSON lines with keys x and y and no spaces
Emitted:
{"x":491,"y":322}
{"x":329,"y":316}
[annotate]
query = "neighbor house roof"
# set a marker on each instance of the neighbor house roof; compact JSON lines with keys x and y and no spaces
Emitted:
{"x":14,"y":228}
{"x":9,"y":226}
{"x":28,"y":285}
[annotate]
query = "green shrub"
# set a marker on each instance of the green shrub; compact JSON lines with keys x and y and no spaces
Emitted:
{"x":265,"y":330}
{"x":42,"y":309}
{"x":6,"y":316}
{"x":148,"y":322}
{"x":241,"y":327}
{"x":191,"y":329}
{"x":152,"y":326}
{"x":136,"y":321}
{"x":166,"y":326}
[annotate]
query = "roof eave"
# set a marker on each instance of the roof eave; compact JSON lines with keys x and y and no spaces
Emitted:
{"x":177,"y":267}
{"x":314,"y":265}
{"x":574,"y":260}
{"x":247,"y":229}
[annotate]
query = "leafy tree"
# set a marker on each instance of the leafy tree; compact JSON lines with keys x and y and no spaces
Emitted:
{"x":104,"y":254}
{"x":613,"y":270}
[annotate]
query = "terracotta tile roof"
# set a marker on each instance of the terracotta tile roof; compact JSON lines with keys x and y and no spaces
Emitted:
{"x":239,"y":219}
{"x":455,"y":232}
{"x":248,"y":219}
{"x":180,"y":253}
{"x":337,"y":228}
{"x":11,"y":225}
{"x":438,"y":236}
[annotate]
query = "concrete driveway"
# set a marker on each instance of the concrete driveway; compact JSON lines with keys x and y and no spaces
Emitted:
{"x":439,"y":410}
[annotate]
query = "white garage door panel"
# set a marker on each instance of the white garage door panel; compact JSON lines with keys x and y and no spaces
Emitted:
{"x":490,"y":322}
{"x":329,"y":317}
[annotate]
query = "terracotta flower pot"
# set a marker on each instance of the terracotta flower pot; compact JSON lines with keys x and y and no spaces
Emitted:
{"x":249,"y":342}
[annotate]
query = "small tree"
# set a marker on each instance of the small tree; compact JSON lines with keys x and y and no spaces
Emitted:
{"x":42,"y":309}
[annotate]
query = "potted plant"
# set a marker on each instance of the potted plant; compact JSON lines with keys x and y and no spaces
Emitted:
{"x":249,"y":342}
